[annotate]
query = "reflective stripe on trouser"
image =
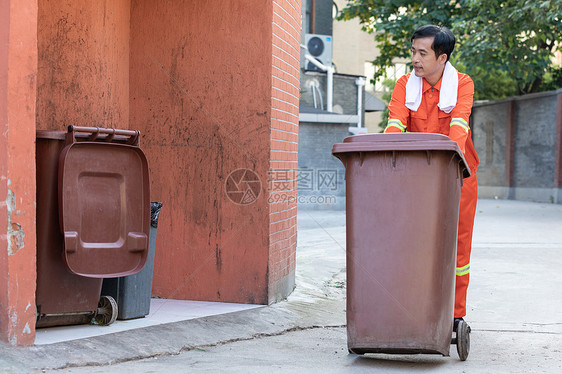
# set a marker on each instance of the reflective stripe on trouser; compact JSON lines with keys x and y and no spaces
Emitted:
{"x":463,"y":270}
{"x":467,"y":210}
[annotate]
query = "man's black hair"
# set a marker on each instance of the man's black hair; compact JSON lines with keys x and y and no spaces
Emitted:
{"x":443,"y":42}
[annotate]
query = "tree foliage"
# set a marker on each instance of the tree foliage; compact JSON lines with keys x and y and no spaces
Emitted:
{"x":514,"y":39}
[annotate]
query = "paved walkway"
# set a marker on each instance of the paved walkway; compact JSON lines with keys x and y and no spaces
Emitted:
{"x":515,"y":310}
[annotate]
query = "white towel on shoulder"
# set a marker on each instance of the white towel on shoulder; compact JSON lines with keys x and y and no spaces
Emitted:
{"x":447,"y":94}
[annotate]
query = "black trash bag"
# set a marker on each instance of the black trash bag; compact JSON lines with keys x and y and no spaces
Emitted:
{"x":154,"y":212}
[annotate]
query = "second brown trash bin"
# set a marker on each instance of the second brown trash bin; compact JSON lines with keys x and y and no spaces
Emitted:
{"x":402,"y":207}
{"x":93,"y":216}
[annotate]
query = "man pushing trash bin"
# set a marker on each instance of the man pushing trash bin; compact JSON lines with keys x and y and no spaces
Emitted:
{"x":436,"y":98}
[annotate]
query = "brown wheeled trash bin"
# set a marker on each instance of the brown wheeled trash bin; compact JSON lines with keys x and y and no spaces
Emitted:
{"x":402,"y":207}
{"x":93,"y":220}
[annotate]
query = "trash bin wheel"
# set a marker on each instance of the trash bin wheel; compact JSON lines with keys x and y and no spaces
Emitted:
{"x":107,"y":311}
{"x":463,"y":340}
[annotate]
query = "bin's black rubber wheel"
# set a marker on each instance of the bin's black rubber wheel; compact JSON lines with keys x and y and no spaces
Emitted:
{"x":463,"y":340}
{"x":107,"y":311}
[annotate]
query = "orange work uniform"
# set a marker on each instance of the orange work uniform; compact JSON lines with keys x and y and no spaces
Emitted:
{"x":429,"y":118}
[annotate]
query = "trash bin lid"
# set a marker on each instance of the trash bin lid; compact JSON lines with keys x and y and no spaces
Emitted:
{"x":104,"y":208}
{"x":412,"y":141}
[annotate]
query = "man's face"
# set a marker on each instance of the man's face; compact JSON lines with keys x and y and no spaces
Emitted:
{"x":426,"y":64}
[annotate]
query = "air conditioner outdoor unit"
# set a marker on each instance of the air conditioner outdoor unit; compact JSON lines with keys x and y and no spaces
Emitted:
{"x":319,"y":47}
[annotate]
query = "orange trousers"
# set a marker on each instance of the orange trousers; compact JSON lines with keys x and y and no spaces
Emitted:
{"x":467,"y":211}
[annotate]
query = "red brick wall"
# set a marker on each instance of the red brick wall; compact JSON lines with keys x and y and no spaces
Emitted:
{"x":284,"y":146}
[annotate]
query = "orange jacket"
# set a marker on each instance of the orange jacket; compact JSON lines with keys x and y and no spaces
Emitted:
{"x":429,"y":118}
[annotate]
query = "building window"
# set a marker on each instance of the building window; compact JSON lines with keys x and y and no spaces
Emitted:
{"x":394,"y":72}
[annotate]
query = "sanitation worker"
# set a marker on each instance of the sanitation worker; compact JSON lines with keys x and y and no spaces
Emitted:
{"x":435,"y":98}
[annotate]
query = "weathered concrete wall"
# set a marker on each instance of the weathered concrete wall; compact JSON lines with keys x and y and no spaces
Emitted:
{"x":321,"y":175}
{"x":535,"y":130}
{"x":5,"y":14}
{"x":489,"y":142}
{"x":83,"y":69}
{"x":18,"y":67}
{"x":201,"y":94}
{"x":518,"y":141}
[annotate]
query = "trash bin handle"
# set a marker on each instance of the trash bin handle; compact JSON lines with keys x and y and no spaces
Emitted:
{"x":100,"y":134}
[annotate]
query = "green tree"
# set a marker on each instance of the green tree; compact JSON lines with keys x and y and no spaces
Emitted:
{"x":553,"y":80}
{"x":515,"y":37}
{"x":490,"y":84}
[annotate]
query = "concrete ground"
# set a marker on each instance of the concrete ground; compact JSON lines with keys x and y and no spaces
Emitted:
{"x":515,"y":311}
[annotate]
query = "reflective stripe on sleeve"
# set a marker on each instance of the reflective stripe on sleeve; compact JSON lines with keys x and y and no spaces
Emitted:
{"x":463,"y":270}
{"x":396,"y":123}
{"x":459,"y":122}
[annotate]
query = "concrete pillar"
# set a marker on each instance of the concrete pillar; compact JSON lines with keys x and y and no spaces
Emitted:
{"x":18,"y":72}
